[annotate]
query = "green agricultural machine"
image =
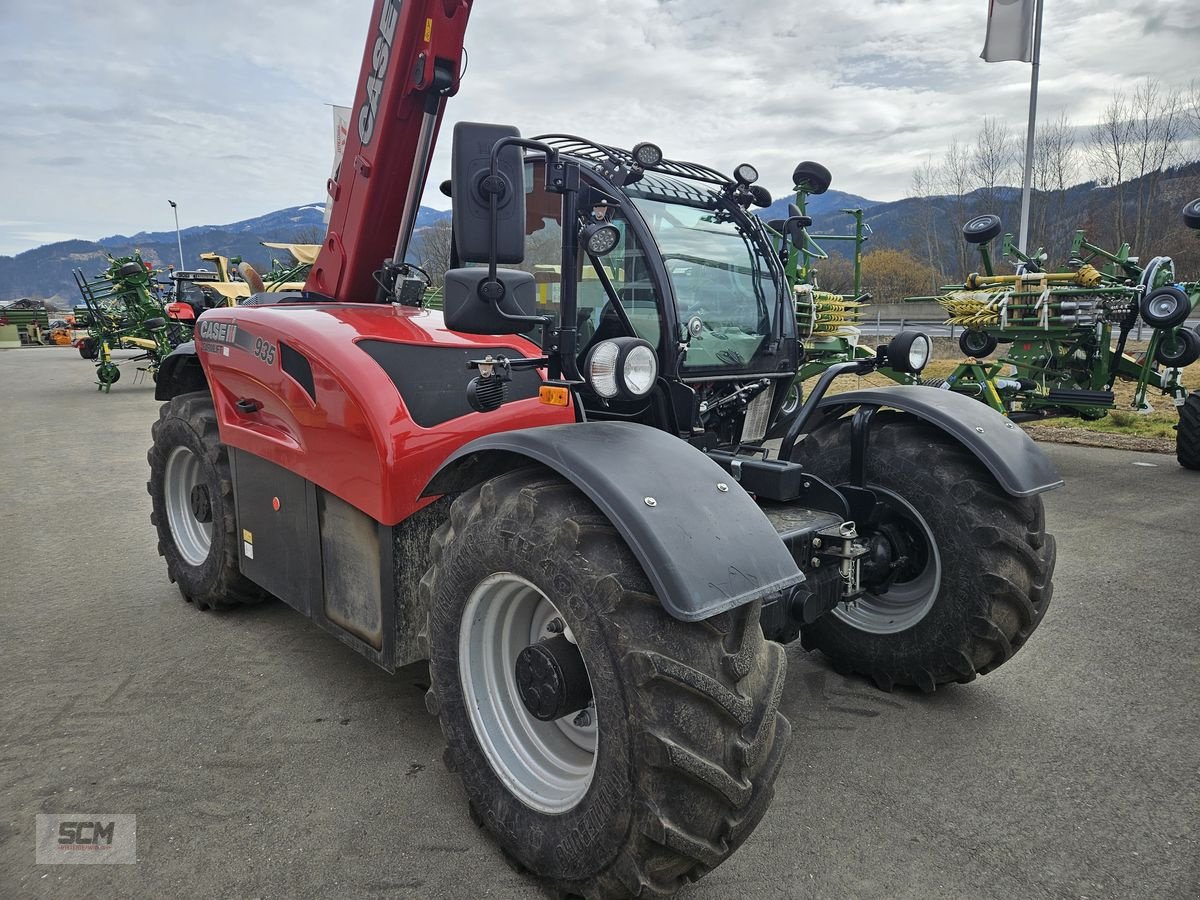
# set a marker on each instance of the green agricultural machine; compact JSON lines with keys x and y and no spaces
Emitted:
{"x":827,"y":323}
{"x":123,"y":310}
{"x":1065,"y":334}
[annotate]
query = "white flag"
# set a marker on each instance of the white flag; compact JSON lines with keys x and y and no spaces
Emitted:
{"x":1009,"y":31}
{"x":341,"y":129}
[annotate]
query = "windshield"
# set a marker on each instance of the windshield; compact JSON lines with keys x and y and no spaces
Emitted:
{"x":720,"y":277}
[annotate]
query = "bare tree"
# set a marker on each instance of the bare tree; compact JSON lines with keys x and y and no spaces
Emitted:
{"x":433,"y":249}
{"x":1159,"y":125}
{"x":992,"y":160}
{"x":1055,"y":169}
{"x":956,"y":184}
{"x":1108,"y":151}
{"x":924,"y":184}
{"x":1131,"y":147}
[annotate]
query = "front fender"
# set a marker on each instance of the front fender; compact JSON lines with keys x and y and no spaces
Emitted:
{"x":704,"y":549}
{"x":1012,"y":456}
{"x":179,"y":372}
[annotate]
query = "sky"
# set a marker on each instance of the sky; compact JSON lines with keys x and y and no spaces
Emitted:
{"x":110,"y":109}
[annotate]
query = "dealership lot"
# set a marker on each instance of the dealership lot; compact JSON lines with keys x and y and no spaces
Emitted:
{"x":264,"y":759}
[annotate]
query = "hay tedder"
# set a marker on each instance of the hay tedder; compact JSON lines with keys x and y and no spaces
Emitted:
{"x":828,"y":323}
{"x":1065,"y":334}
{"x":124,"y":310}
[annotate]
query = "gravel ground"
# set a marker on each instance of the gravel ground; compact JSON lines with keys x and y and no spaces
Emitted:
{"x":264,"y":759}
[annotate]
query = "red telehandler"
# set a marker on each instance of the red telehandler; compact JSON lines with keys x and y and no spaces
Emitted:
{"x":558,"y":491}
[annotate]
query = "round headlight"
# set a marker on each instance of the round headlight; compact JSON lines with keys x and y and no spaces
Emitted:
{"x":624,"y":367}
{"x":745,"y":174}
{"x":639,"y":370}
{"x":919,"y":353}
{"x":602,"y":369}
{"x":909,"y":352}
{"x":647,"y":154}
{"x":600,"y":239}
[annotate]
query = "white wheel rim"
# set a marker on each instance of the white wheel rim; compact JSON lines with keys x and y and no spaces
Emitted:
{"x":905,"y":603}
{"x":192,"y":537}
{"x":548,"y":766}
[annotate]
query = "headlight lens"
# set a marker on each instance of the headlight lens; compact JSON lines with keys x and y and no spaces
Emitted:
{"x":602,"y":369}
{"x":909,"y":351}
{"x":639,"y":370}
{"x":623,"y":367}
{"x":918,"y":353}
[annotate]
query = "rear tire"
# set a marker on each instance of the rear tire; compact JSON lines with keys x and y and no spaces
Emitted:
{"x":191,"y":492}
{"x":688,"y":736}
{"x":813,"y":176}
{"x":88,"y":348}
{"x":1187,"y":438}
{"x":1182,"y":352}
{"x":979,"y":344}
{"x":994,"y":562}
{"x":982,"y":229}
{"x":1166,"y":307}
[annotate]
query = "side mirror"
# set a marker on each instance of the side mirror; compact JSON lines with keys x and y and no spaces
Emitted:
{"x":473,"y":189}
{"x":792,"y":228}
{"x":464,"y":310}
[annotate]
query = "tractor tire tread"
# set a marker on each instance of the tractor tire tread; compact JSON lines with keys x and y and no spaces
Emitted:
{"x":1187,"y":438}
{"x":231,"y":589}
{"x":1012,"y":547}
{"x":731,"y":774}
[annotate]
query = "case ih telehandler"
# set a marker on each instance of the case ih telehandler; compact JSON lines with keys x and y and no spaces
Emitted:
{"x":559,"y":495}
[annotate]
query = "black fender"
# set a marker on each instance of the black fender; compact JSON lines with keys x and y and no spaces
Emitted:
{"x":1012,"y":456}
{"x":704,"y":549}
{"x":180,"y":372}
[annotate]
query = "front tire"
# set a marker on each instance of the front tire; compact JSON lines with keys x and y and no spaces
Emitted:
{"x":978,"y":577}
{"x":191,"y":492}
{"x":676,"y":762}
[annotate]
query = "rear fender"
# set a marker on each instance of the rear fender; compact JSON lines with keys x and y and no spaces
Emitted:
{"x":704,"y":549}
{"x":180,"y":373}
{"x":1017,"y":463}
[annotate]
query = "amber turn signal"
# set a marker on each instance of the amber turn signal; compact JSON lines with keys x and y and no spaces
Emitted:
{"x":554,"y":395}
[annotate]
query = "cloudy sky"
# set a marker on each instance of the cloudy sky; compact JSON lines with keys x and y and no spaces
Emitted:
{"x":107,"y":110}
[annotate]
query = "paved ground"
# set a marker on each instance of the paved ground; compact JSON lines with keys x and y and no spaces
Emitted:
{"x":263,"y":758}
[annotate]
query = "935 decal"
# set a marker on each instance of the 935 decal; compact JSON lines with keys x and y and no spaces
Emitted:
{"x":218,"y":337}
{"x":265,"y":351}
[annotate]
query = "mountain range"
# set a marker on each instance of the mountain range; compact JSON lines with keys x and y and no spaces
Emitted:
{"x":45,"y":272}
{"x":928,"y":228}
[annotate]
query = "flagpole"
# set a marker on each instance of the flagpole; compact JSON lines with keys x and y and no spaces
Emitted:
{"x":1029,"y":135}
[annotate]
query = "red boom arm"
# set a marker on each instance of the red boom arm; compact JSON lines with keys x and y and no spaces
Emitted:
{"x":410,"y":66}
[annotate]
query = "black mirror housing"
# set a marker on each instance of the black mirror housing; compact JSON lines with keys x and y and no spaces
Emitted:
{"x":470,"y":170}
{"x":464,"y":310}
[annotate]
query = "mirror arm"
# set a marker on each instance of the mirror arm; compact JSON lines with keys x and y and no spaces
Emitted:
{"x":858,"y":367}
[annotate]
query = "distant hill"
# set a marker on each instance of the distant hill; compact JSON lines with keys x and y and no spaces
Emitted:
{"x":45,"y":272}
{"x":926,"y":227}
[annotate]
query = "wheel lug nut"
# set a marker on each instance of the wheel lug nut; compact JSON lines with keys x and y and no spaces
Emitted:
{"x":584,"y":719}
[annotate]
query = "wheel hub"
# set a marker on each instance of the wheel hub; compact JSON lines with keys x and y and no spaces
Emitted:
{"x":551,"y":679}
{"x":201,"y":503}
{"x":513,"y":665}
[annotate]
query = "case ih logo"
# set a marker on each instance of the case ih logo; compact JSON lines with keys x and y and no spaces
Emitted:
{"x":86,"y":838}
{"x":381,"y":54}
{"x":225,"y":332}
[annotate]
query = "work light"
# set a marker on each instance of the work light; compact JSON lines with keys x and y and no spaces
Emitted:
{"x":623,"y":367}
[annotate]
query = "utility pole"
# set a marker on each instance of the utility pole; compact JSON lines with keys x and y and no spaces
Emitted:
{"x":178,"y":236}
